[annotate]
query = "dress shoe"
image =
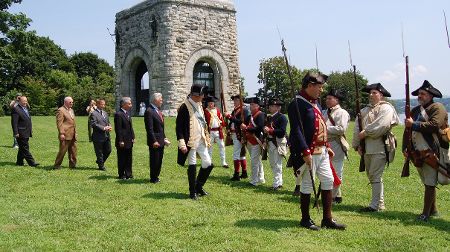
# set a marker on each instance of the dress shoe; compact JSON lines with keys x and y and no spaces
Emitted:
{"x":201,"y":192}
{"x":154,"y":181}
{"x":332,"y":224}
{"x":193,"y":196}
{"x":368,"y":210}
{"x":423,"y":218}
{"x":102,"y":168}
{"x":225,"y":166}
{"x":20,"y":164}
{"x":309,"y":224}
{"x":122,"y":177}
{"x":34,"y":164}
{"x":337,"y":200}
{"x":244,"y":175}
{"x":296,"y":192}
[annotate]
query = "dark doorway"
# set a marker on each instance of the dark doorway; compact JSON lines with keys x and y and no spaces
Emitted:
{"x":204,"y":75}
{"x":142,"y":87}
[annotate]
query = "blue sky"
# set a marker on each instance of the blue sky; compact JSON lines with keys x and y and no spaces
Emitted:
{"x":373,"y":28}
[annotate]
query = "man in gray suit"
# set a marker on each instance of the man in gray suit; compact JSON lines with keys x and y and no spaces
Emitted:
{"x":99,"y":122}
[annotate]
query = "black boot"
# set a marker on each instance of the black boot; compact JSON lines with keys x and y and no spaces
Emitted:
{"x":327,"y":221}
{"x":191,"y":172}
{"x":203,"y":175}
{"x":296,"y":191}
{"x":235,"y":177}
{"x":306,"y":221}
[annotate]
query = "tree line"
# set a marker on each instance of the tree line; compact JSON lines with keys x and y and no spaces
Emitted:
{"x":37,"y":67}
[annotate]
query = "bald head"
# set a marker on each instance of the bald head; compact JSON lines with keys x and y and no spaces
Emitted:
{"x":68,"y":102}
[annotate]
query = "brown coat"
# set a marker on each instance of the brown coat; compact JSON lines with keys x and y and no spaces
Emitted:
{"x":438,"y":118}
{"x":65,"y":122}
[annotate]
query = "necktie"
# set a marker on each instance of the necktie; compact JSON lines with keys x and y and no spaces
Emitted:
{"x":160,"y":115}
{"x":26,"y":112}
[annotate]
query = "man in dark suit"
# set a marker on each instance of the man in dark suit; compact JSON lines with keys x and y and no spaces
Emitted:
{"x":99,"y":122}
{"x":124,"y":138}
{"x":22,"y":128}
{"x":156,"y":139}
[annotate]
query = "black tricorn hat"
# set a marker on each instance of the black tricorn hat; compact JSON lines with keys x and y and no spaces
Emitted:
{"x":198,"y":89}
{"x":238,"y":96}
{"x":336,"y":93}
{"x":429,"y":88}
{"x":210,"y":98}
{"x":314,"y":78}
{"x":378,"y":87}
{"x":252,"y":100}
{"x":276,"y":101}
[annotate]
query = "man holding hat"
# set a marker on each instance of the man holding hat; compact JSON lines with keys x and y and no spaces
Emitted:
{"x":377,"y":120}
{"x":236,"y":134}
{"x":215,"y":123}
{"x":276,"y":132}
{"x":253,"y":126}
{"x":193,"y":139}
{"x":337,"y":120}
{"x":426,"y":121}
{"x":310,"y":154}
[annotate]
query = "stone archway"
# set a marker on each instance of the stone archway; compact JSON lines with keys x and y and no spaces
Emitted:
{"x":135,"y":65}
{"x":219,"y":67}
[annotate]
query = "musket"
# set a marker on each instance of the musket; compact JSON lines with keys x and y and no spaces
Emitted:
{"x":268,"y":118}
{"x":223,"y":106}
{"x":408,"y":131}
{"x":297,"y":110}
{"x":446,"y":29}
{"x":243,"y":137}
{"x":362,"y":143}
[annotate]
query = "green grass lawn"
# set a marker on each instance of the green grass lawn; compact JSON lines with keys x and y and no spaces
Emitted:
{"x":87,"y":209}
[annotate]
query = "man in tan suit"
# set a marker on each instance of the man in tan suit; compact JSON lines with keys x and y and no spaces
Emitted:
{"x":65,"y":121}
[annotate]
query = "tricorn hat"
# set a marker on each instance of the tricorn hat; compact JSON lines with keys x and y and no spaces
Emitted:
{"x":238,"y":96}
{"x":276,"y":101}
{"x":336,"y":93}
{"x":210,"y":98}
{"x":314,"y":78}
{"x":429,"y":88}
{"x":198,"y":89}
{"x":378,"y":87}
{"x":252,"y":100}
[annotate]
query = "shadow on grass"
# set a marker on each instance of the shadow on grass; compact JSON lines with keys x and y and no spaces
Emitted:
{"x":267,"y":224}
{"x":7,"y":163}
{"x":103,"y":177}
{"x":133,"y":181}
{"x":166,"y":195}
{"x":245,"y":184}
{"x":406,"y":218}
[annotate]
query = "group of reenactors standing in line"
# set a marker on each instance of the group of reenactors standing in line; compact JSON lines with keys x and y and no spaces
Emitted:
{"x":317,"y":141}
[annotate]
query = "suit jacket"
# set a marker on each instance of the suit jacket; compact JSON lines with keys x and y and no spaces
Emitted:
{"x":154,"y":125}
{"x":98,"y":122}
{"x":124,"y":129}
{"x":21,"y":123}
{"x":65,"y":122}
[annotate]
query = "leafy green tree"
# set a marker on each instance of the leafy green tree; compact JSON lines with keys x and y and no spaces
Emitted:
{"x":89,"y":64}
{"x":277,"y":80}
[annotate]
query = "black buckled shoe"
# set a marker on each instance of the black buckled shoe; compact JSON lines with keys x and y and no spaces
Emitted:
{"x":309,"y":224}
{"x":423,"y":218}
{"x":235,"y":177}
{"x":244,"y":175}
{"x":332,"y":224}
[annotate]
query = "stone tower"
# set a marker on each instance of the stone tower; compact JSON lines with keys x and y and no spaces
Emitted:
{"x":178,"y":43}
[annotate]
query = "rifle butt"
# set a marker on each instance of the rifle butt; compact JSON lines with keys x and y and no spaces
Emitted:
{"x":362,"y":165}
{"x":405,"y":170}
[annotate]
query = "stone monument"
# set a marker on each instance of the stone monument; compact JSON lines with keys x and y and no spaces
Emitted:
{"x":178,"y":43}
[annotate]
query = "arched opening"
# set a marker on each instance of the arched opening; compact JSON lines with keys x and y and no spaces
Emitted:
{"x":204,"y":75}
{"x":141,"y":86}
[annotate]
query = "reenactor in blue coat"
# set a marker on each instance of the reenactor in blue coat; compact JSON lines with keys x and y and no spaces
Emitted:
{"x":310,"y":152}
